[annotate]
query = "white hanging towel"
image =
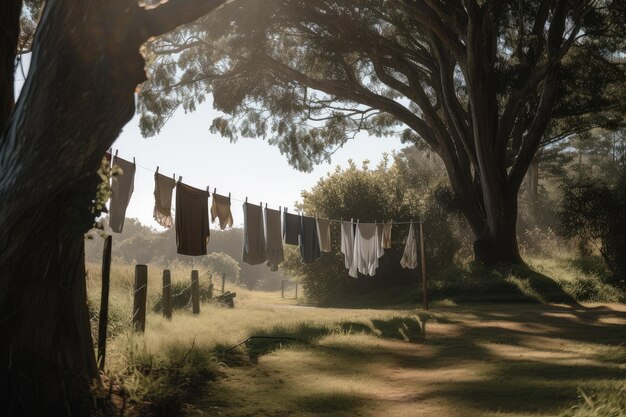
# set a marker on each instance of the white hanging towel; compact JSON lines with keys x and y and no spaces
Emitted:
{"x":409,"y":257}
{"x":347,"y":242}
{"x":367,"y":250}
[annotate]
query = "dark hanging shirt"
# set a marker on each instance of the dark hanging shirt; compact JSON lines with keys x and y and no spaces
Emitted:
{"x":274,"y":240}
{"x":291,"y":228}
{"x":122,"y":186}
{"x":192,"y":220}
{"x":309,"y":241}
{"x":254,"y":251}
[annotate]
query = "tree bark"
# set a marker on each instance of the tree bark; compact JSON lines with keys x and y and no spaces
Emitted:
{"x":10,"y":11}
{"x":84,"y":70}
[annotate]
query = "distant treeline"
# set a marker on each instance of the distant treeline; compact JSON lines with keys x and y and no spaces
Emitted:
{"x":142,"y":244}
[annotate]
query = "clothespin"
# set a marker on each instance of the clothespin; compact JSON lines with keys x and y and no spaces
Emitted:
{"x":207,"y":190}
{"x":133,"y":160}
{"x":265,"y":205}
{"x":180,"y":178}
{"x":157,"y":170}
{"x":214,"y":190}
{"x":174,"y":177}
{"x":228,"y":196}
{"x":116,"y":152}
{"x":280,"y":208}
{"x":246,"y":200}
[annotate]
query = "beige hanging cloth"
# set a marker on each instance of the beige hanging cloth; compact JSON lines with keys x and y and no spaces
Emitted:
{"x":163,"y":187}
{"x":385,"y":234}
{"x":220,"y":208}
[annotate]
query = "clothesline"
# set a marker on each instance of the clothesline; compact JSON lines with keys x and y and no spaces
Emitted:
{"x":280,"y":207}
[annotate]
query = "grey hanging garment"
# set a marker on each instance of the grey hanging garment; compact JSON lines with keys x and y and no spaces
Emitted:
{"x":347,"y":243}
{"x":220,"y":209}
{"x":273,"y":238}
{"x":291,"y":228}
{"x":254,"y":251}
{"x":122,"y":186}
{"x":409,"y":257}
{"x":163,"y":188}
{"x":309,"y":241}
{"x":192,"y":220}
{"x":323,"y":231}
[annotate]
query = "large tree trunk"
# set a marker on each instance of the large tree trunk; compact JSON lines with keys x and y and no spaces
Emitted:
{"x":79,"y":94}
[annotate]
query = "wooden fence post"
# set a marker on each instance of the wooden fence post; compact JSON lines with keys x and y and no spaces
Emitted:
{"x":424,"y":278}
{"x":296,"y":290}
{"x":167,"y":294}
{"x":104,"y":302}
{"x":282,"y":288}
{"x":223,"y":281}
{"x":195,"y":292}
{"x":141,"y":293}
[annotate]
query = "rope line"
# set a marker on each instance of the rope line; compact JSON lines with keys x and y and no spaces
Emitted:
{"x":330,"y":220}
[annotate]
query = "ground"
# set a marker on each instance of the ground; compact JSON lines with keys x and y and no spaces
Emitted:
{"x":521,"y":360}
{"x":475,"y":359}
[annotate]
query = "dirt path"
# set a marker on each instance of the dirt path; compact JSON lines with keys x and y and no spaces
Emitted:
{"x":520,"y":360}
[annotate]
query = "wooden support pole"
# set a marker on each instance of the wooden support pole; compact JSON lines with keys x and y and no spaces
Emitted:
{"x":282,"y":288}
{"x":141,"y":293}
{"x":223,"y":281}
{"x":195,"y":292}
{"x":296,"y":290}
{"x":104,"y":302}
{"x":167,"y":294}
{"x":424,"y":278}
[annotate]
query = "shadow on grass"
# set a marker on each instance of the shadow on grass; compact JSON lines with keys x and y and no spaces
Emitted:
{"x":264,"y":341}
{"x":323,"y":403}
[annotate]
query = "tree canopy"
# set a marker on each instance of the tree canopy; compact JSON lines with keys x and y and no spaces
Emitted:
{"x":483,"y":83}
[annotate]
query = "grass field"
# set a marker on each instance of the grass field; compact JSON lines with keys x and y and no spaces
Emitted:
{"x":456,"y":360}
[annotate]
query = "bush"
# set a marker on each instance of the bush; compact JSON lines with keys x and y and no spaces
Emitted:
{"x":414,"y":187}
{"x":596,"y":214}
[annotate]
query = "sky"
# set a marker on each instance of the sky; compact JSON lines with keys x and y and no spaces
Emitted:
{"x":248,"y":168}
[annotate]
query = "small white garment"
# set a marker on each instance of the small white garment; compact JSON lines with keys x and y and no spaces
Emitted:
{"x":347,"y":242}
{"x":409,"y":257}
{"x":367,"y":250}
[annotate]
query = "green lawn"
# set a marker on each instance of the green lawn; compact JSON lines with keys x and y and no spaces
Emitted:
{"x":473,"y":360}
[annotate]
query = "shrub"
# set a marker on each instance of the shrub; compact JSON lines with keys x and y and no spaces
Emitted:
{"x":596,"y":214}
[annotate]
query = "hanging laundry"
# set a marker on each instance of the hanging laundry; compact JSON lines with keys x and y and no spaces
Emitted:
{"x":220,"y":208}
{"x":309,"y":241}
{"x":122,"y":186}
{"x":291,"y":228}
{"x":192,"y":220}
{"x":273,"y":239}
{"x":347,"y":242}
{"x":254,"y":251}
{"x":384,"y":229}
{"x":323,"y":231}
{"x":367,"y":250}
{"x":409,"y":257}
{"x":163,"y":188}
{"x":108,"y":158}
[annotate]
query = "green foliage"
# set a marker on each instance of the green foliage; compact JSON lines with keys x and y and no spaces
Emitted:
{"x":159,"y":385}
{"x":610,"y":401}
{"x":218,"y":263}
{"x":413,"y":187}
{"x":596,"y":214}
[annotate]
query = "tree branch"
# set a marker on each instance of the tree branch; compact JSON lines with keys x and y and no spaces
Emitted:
{"x":167,"y":17}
